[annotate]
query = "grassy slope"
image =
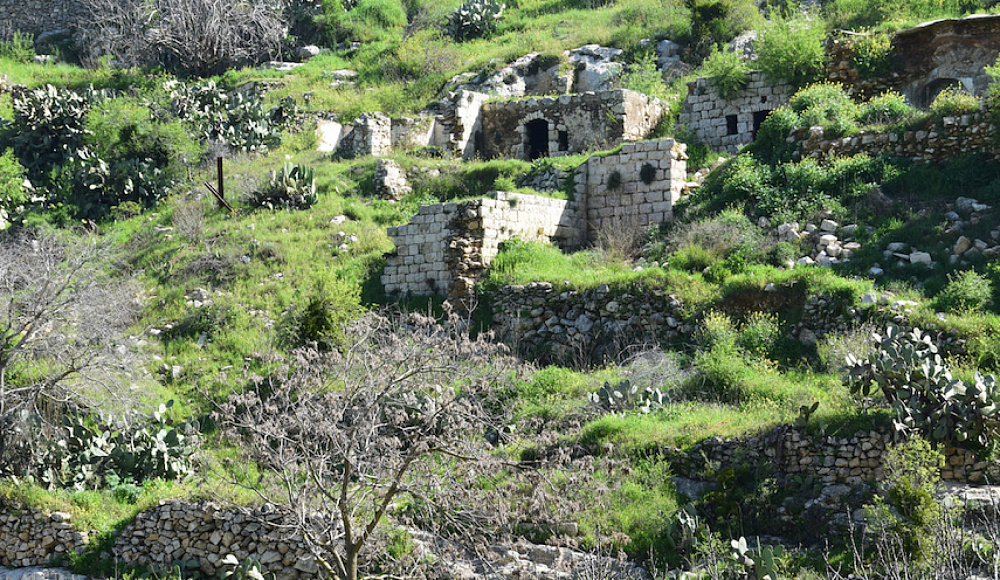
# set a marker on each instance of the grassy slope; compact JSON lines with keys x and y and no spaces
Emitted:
{"x":260,"y":264}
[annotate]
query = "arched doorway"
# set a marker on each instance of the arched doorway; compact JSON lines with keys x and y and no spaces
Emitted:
{"x":936,"y":87}
{"x":536,"y":139}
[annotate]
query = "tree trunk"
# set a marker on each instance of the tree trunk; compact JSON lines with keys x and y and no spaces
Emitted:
{"x":351,"y":563}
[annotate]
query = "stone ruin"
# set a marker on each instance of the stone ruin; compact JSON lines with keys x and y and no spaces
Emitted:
{"x":447,"y":247}
{"x":37,"y":16}
{"x":927,"y":59}
{"x":471,"y":125}
{"x":728,"y":124}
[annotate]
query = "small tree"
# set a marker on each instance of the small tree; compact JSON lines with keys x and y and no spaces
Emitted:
{"x":60,"y":314}
{"x":397,"y":423}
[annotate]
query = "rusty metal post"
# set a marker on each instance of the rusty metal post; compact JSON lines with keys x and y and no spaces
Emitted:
{"x":222,"y":192}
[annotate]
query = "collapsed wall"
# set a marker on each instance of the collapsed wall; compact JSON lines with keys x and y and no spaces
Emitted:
{"x":728,"y":124}
{"x":447,"y":247}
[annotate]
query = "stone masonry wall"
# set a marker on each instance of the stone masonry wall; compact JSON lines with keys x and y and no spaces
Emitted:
{"x":635,"y":202}
{"x":953,"y":137}
{"x":853,"y":460}
{"x":445,"y":247}
{"x":731,"y":123}
{"x":32,"y":538}
{"x":573,"y":123}
{"x":35,"y":16}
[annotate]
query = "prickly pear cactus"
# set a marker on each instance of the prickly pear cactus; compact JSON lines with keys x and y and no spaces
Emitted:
{"x":626,"y":397}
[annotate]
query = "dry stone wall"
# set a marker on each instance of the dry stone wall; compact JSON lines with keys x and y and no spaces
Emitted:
{"x":553,"y":324}
{"x":35,"y":16}
{"x":851,"y":460}
{"x":952,"y":137}
{"x":33,"y":538}
{"x":183,"y":530}
{"x":731,"y":123}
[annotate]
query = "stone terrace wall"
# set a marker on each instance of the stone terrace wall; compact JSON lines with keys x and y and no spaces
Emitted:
{"x":955,"y":136}
{"x":731,"y":123}
{"x":32,"y":538}
{"x":36,"y":16}
{"x":446,"y":247}
{"x":574,"y":123}
{"x":851,"y":460}
{"x":583,"y":327}
{"x":634,"y":203}
{"x":182,"y":530}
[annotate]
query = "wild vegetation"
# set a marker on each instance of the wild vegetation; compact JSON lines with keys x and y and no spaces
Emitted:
{"x":154,"y":344}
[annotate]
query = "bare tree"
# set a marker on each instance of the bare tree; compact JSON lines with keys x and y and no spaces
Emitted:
{"x":60,"y":312}
{"x":198,"y":37}
{"x":402,"y":417}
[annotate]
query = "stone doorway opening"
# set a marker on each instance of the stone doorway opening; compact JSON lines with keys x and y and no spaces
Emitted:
{"x":536,"y":139}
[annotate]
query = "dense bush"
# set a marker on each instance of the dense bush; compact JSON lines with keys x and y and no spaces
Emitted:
{"x":965,"y":292}
{"x":954,"y":101}
{"x":886,"y":109}
{"x":828,"y":106}
{"x":191,"y":37}
{"x":18,"y":48}
{"x":793,"y":50}
{"x":48,"y":127}
{"x":236,"y":119}
{"x":870,"y":55}
{"x":771,"y":144}
{"x":715,"y":22}
{"x":474,"y":19}
{"x":12,"y":191}
{"x":726,"y":72}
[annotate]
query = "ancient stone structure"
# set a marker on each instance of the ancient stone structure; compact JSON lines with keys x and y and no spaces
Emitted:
{"x":371,"y":134}
{"x":36,"y":16}
{"x":728,"y":124}
{"x":552,"y":126}
{"x":390,"y":180}
{"x":447,"y":247}
{"x":927,"y":59}
{"x":953,"y":137}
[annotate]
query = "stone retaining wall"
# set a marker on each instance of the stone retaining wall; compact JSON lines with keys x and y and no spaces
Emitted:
{"x":35,"y":16}
{"x":952,"y":137}
{"x":728,"y":124}
{"x":851,"y":460}
{"x":32,"y":538}
{"x":182,"y":530}
{"x":584,"y":327}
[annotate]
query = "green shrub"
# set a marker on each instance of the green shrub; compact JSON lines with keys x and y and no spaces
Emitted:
{"x":965,"y":292}
{"x":908,"y":513}
{"x":321,"y":317}
{"x":20,"y":48}
{"x":870,"y":55}
{"x":771,"y":145}
{"x":726,"y":72}
{"x":692,"y":258}
{"x":474,"y":19}
{"x":953,"y":102}
{"x":759,"y":334}
{"x":828,"y":106}
{"x":793,"y":50}
{"x":12,"y":192}
{"x":886,"y":109}
{"x":715,"y":22}
{"x":644,"y":77}
{"x":237,"y":120}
